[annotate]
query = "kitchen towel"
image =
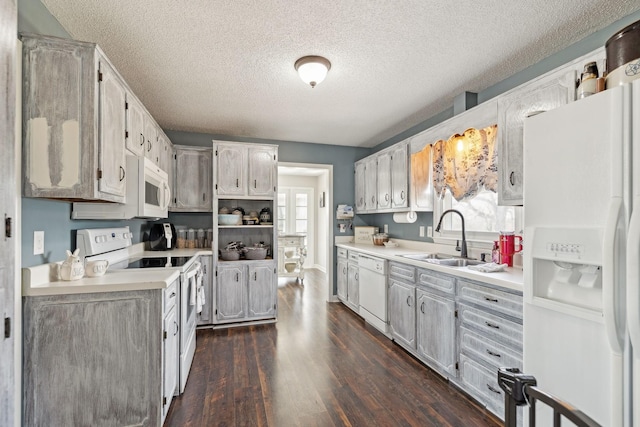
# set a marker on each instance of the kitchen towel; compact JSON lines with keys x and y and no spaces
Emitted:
{"x":405,"y":217}
{"x":490,"y":267}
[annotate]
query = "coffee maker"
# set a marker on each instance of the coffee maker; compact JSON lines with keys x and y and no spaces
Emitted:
{"x":162,"y":237}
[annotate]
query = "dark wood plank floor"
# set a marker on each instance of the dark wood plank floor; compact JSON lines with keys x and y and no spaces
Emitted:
{"x":319,"y":365}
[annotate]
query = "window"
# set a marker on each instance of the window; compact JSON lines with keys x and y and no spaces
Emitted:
{"x":294,"y":209}
{"x":483,"y":218}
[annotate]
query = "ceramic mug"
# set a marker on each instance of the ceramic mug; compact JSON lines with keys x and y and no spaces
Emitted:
{"x":96,"y":268}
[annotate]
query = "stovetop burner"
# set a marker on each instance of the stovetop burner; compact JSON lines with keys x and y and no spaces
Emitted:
{"x":157,"y":262}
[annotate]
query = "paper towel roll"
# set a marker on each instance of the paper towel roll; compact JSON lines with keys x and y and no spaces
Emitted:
{"x":405,"y":217}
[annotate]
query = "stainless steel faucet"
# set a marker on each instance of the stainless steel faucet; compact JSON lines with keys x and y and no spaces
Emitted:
{"x":463,"y":249}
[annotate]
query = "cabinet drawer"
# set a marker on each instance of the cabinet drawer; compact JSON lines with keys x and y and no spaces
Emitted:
{"x":482,"y":384}
{"x":402,"y":271}
{"x":438,"y":281}
{"x":483,"y":349}
{"x":493,"y":299}
{"x":491,"y":326}
{"x":170,"y":296}
{"x":353,"y":257}
{"x":342,"y":252}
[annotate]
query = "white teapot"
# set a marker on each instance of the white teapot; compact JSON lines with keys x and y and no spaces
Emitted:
{"x":72,"y":268}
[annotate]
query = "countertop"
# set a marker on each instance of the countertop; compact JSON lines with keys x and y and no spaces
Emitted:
{"x":43,"y":279}
{"x":511,"y":278}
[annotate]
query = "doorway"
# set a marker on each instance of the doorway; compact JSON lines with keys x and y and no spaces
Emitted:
{"x":305,"y":200}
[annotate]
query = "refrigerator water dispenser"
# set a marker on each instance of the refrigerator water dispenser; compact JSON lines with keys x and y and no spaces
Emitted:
{"x":566,"y":268}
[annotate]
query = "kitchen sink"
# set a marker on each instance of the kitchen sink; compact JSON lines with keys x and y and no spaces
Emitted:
{"x":443,"y":259}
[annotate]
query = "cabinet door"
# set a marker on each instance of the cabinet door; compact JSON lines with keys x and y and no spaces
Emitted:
{"x":192,"y":191}
{"x":231,"y":293}
{"x":150,"y":138}
{"x":353,"y":286}
{"x":399,"y":176}
{"x":436,"y":331}
{"x":342,"y":279}
{"x":384,"y":180}
{"x":112,"y":99}
{"x":263,"y":290}
{"x":230,"y":170}
{"x":370,"y":184}
{"x":205,"y":316}
{"x":402,"y":313}
{"x":170,"y":359}
{"x":165,"y":153}
{"x":359,"y":190}
{"x":262,"y":171}
{"x":543,"y":95}
{"x":135,"y":126}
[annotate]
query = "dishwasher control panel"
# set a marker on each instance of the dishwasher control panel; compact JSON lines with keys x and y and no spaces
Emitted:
{"x":378,"y":265}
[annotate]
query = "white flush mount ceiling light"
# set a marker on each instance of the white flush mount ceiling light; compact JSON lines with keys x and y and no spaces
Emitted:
{"x":312,"y":69}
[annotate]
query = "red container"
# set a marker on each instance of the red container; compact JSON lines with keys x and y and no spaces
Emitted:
{"x":508,"y":246}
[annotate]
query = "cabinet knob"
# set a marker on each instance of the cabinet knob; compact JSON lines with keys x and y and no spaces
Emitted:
{"x":402,"y":195}
{"x":409,"y":300}
{"x":422,"y":307}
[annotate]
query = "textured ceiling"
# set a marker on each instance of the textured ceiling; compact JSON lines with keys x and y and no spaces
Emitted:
{"x":226,"y":67}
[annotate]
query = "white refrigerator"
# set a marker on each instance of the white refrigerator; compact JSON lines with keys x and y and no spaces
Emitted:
{"x":582,"y":255}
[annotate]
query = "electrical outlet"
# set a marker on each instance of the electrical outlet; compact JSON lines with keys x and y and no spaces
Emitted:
{"x":421,"y":231}
{"x":38,"y":242}
{"x":386,"y":228}
{"x":429,"y":231}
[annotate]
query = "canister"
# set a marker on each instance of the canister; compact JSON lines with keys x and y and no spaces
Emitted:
{"x":623,"y":56}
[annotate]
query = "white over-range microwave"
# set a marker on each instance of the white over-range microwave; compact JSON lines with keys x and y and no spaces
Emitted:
{"x":148,"y":195}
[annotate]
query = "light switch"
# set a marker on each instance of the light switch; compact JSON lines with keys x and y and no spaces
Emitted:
{"x":38,"y":242}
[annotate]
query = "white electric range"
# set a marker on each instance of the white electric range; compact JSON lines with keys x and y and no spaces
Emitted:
{"x":115,"y":246}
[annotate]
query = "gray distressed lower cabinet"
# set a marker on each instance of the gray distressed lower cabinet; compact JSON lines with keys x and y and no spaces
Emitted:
{"x":348,"y":279}
{"x":490,"y":325}
{"x":463,"y":329}
{"x":245,"y":291}
{"x":72,"y":374}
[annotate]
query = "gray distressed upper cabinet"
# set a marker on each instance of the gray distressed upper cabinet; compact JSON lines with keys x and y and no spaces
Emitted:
{"x":192,"y":188}
{"x":383,"y":173}
{"x":83,"y":349}
{"x":135,"y":140}
{"x":400,"y":176}
{"x":549,"y":92}
{"x":245,"y":170}
{"x":165,"y":154}
{"x":359,"y":186}
{"x":382,"y":181}
{"x":74,"y":130}
{"x":402,"y":312}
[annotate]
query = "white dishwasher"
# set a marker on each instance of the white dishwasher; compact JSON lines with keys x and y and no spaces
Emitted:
{"x":373,"y":291}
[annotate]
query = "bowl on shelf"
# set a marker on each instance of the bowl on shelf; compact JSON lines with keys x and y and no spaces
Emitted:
{"x":229,"y":254}
{"x":255,"y":253}
{"x":290,"y":267}
{"x":229,"y":219}
{"x":289,"y":254}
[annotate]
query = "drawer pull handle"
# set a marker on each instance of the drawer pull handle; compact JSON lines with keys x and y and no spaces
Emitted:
{"x":357,"y":276}
{"x":491,"y":353}
{"x":492,"y":325}
{"x":491,"y":389}
{"x":409,"y":300}
{"x":173,"y":295}
{"x":422,"y":307}
{"x":490,"y":299}
{"x":177,"y":328}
